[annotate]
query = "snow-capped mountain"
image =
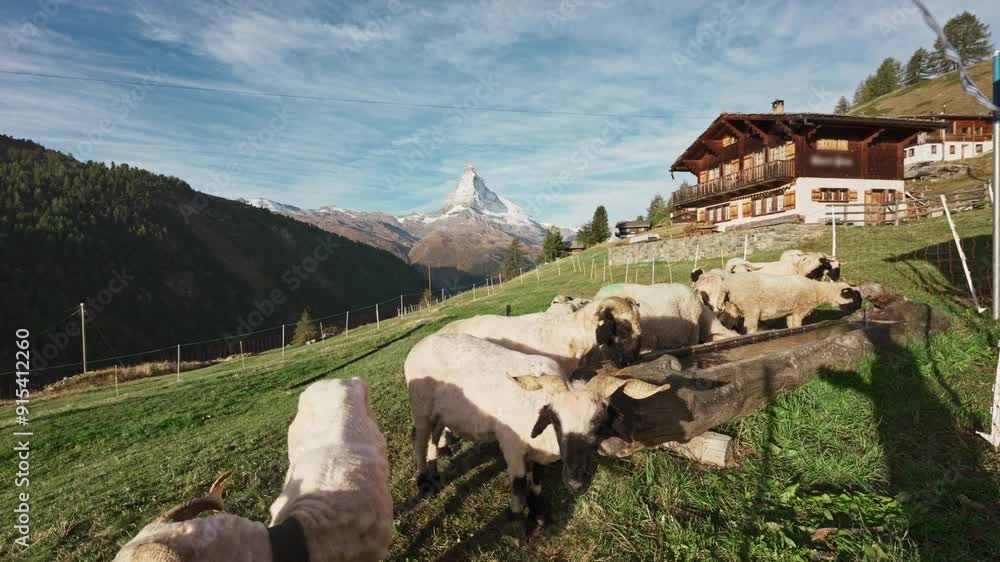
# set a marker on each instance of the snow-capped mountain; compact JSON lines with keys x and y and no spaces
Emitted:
{"x":466,"y":237}
{"x":472,"y":197}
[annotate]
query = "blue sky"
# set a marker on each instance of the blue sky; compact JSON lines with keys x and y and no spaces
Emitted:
{"x":682,"y":61}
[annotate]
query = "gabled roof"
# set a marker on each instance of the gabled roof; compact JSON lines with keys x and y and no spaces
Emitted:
{"x":632,"y":224}
{"x":791,"y":120}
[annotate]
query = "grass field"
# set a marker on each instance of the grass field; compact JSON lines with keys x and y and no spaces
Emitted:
{"x":943,"y":94}
{"x":885,"y":453}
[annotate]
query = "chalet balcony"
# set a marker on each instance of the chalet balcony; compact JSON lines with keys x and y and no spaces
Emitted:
{"x":770,"y":174}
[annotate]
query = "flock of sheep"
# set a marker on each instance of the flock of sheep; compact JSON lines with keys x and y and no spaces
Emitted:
{"x":517,"y":381}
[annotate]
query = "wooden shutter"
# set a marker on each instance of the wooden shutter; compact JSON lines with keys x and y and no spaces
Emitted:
{"x":703,"y":176}
{"x":701,"y":215}
{"x":789,"y":150}
{"x":854,"y":195}
{"x":817,"y":195}
{"x":733,"y":209}
{"x":790,"y":199}
{"x":747,"y":208}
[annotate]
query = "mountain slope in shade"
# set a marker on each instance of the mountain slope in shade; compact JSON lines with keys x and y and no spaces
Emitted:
{"x":463,"y":241}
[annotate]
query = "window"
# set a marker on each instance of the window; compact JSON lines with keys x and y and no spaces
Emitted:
{"x":728,"y":140}
{"x":769,"y":203}
{"x":979,"y":148}
{"x":713,"y":174}
{"x":933,"y":149}
{"x":831,"y":144}
{"x":719,"y":213}
{"x":951,"y":149}
{"x":831,"y":195}
{"x":911,"y":152}
{"x":779,"y":152}
{"x":965,"y":130}
{"x":979,"y":130}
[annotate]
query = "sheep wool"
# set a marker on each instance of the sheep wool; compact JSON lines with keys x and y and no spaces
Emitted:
{"x":758,"y":296}
{"x":671,"y":315}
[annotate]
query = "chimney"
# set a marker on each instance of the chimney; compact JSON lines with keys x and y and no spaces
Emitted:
{"x":778,"y":106}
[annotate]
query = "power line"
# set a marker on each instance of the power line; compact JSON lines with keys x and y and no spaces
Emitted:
{"x":496,"y":109}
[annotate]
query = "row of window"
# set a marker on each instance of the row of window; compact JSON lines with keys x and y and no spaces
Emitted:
{"x":951,"y":149}
{"x":757,"y":205}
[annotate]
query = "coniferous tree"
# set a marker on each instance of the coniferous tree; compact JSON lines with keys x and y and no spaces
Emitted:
{"x":599,"y":228}
{"x":842,"y":107}
{"x":553,"y":246}
{"x":514,"y":259}
{"x":305,"y":329}
{"x":918,"y":68}
{"x":657,"y":211}
{"x":585,"y":235}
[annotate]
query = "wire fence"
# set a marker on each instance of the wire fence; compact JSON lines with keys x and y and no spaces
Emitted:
{"x":917,"y":252}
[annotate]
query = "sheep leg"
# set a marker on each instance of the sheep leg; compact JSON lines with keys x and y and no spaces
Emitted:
{"x":751,"y":320}
{"x":537,"y":509}
{"x":428,"y":481}
{"x":517,"y":474}
{"x":795,"y":320}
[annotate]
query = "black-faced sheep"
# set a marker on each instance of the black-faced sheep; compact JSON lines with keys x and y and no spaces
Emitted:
{"x":758,"y":296}
{"x":487,"y":392}
{"x":335,"y":504}
{"x":671,"y":315}
{"x":609,"y":326}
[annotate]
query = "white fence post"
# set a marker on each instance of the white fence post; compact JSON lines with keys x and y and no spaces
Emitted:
{"x":116,"y":380}
{"x":697,"y":253}
{"x":627,"y":262}
{"x":961,"y":255}
{"x":994,"y":436}
{"x":243,"y":359}
{"x":833,"y":220}
{"x":670,"y":271}
{"x":283,"y":340}
{"x":347,"y":323}
{"x":558,"y":267}
{"x":178,"y":362}
{"x":378,"y":324}
{"x":652,"y":274}
{"x":746,"y":245}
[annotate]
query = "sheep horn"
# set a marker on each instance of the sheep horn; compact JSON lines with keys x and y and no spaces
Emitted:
{"x":605,"y":386}
{"x":191,"y":509}
{"x":550,"y":383}
{"x":155,"y":552}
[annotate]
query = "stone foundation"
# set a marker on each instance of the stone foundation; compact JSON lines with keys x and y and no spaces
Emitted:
{"x":711,"y":246}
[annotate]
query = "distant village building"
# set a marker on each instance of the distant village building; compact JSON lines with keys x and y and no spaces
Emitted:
{"x":631,"y":228}
{"x":760,"y":166}
{"x":575,"y":247}
{"x":958,"y":137}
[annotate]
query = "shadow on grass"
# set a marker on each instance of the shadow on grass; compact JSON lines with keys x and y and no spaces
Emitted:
{"x":936,"y":469}
{"x":354,"y":360}
{"x":944,"y":257}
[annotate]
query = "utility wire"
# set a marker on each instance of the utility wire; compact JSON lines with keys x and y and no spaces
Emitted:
{"x":497,"y":109}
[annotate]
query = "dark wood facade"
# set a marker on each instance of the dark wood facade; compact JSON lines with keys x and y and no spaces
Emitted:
{"x":742,"y":153}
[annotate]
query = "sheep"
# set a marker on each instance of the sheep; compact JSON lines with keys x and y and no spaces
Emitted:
{"x":335,"y":504}
{"x":563,"y":304}
{"x":811,"y":265}
{"x":759,"y":296}
{"x":489,"y":393}
{"x":572,"y":340}
{"x":708,"y":286}
{"x":673,"y":315}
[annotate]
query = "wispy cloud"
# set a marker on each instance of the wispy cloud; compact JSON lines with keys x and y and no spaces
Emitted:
{"x":684,"y":61}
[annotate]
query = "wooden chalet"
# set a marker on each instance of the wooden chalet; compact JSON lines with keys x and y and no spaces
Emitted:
{"x":631,"y":228}
{"x":756,"y":166}
{"x":957,"y":137}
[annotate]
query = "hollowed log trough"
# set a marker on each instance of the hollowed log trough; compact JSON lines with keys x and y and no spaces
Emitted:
{"x":732,"y":378}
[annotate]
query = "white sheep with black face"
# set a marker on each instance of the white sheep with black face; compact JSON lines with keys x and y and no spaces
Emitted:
{"x":486,"y":392}
{"x":603,"y":328}
{"x":758,"y":296}
{"x":812,"y":265}
{"x":335,"y":504}
{"x":672,"y":315}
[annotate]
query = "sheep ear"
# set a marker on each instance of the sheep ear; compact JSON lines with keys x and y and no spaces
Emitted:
{"x":620,"y":424}
{"x":633,"y":301}
{"x":545,"y":419}
{"x":696,"y":274}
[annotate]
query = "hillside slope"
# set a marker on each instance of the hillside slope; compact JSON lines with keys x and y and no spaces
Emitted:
{"x":193,"y":265}
{"x":849,"y":450}
{"x":943,"y":94}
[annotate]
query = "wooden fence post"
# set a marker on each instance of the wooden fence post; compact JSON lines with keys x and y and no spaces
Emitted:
{"x":558,"y":267}
{"x":178,"y":362}
{"x":627,"y":262}
{"x":283,"y":340}
{"x":746,"y":246}
{"x":652,"y":273}
{"x":377,"y":323}
{"x":243,"y":359}
{"x":347,"y":324}
{"x":116,"y":380}
{"x":670,"y":271}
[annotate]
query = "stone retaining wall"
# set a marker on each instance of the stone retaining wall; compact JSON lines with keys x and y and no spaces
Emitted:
{"x":711,"y":246}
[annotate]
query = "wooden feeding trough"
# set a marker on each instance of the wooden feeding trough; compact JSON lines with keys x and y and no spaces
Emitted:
{"x":732,"y":378}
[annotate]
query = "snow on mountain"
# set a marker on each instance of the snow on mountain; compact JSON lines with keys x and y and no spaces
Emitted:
{"x":469,"y":233}
{"x":272,"y":206}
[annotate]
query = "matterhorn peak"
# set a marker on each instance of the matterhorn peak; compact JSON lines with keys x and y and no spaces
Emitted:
{"x":471,"y":193}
